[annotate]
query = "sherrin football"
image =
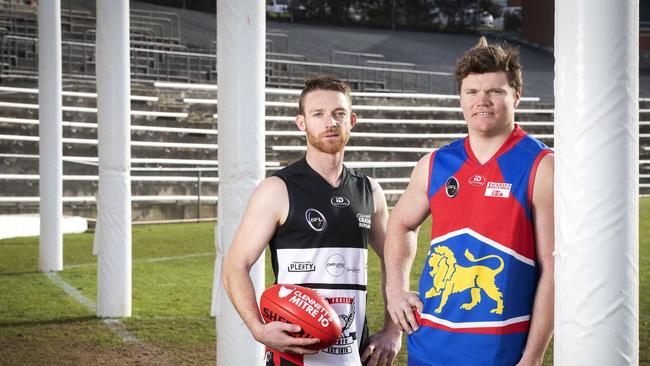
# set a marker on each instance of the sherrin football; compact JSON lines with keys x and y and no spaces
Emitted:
{"x":304,"y":307}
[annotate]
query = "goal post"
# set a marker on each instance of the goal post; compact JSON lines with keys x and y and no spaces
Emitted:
{"x":596,"y":182}
{"x":241,"y":28}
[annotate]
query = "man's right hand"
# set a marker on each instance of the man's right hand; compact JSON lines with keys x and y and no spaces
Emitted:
{"x":276,"y":335}
{"x":401,"y":306}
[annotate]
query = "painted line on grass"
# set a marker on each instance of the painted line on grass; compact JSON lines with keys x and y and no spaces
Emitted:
{"x":73,"y":292}
{"x":172,"y":318}
{"x":114,"y":325}
{"x":118,"y":328}
{"x":164,"y":259}
{"x":147,"y":260}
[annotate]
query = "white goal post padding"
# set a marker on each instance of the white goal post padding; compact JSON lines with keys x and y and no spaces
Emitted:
{"x":113,"y":228}
{"x":50,"y":165}
{"x":596,"y":182}
{"x":241,"y":27}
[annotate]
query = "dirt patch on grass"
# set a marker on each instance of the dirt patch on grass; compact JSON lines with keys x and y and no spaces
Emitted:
{"x":90,"y":343}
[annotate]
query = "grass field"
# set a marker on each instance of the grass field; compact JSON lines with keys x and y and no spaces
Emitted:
{"x":42,"y":324}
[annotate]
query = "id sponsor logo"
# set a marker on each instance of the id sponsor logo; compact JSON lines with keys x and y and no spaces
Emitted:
{"x":340,"y":201}
{"x":477,"y":180}
{"x":499,"y":190}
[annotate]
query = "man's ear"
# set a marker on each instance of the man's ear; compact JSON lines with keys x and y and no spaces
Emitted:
{"x":517,"y":98}
{"x":353,"y":119}
{"x":300,"y":122}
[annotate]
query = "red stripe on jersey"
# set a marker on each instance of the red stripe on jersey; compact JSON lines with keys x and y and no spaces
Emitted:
{"x":506,"y":329}
{"x":533,"y":172}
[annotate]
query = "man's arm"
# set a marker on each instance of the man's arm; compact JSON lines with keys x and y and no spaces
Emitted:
{"x":383,"y":346}
{"x":266,"y":209}
{"x":401,"y":245}
{"x":541,"y":324}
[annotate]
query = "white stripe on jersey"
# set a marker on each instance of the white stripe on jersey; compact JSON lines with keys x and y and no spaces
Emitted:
{"x":486,"y":240}
{"x":323,"y":265}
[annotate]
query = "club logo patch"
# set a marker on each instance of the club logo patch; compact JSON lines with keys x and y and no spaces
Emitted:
{"x":451,"y":187}
{"x":500,"y":190}
{"x":315,"y":219}
{"x":346,"y":308}
{"x":476,"y":180}
{"x":340,"y":201}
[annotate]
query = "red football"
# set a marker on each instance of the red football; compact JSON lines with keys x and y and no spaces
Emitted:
{"x":304,"y":307}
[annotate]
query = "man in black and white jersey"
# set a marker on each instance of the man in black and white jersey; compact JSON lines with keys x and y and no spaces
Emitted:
{"x":318,"y":217}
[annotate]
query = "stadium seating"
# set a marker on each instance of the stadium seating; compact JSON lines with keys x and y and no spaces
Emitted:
{"x":174,"y":124}
{"x":174,"y":139}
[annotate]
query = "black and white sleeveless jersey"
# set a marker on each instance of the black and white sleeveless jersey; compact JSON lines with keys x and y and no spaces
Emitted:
{"x":323,"y":245}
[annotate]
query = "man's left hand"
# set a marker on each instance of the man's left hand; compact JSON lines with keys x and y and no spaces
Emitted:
{"x":382,"y":347}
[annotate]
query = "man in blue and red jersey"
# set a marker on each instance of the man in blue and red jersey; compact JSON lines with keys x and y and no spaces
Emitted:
{"x":486,"y":289}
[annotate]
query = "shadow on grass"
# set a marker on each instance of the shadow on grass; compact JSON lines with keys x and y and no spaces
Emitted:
{"x":80,"y":319}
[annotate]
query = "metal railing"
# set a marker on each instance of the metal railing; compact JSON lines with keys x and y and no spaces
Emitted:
{"x":277,"y":42}
{"x":162,"y":61}
{"x":288,"y":73}
{"x":22,"y":20}
{"x":174,"y":19}
{"x":358,"y":58}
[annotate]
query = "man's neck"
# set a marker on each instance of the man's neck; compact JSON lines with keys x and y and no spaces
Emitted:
{"x":328,"y":166}
{"x":484,"y":146}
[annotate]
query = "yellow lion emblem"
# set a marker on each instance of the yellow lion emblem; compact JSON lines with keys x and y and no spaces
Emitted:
{"x":450,"y":278}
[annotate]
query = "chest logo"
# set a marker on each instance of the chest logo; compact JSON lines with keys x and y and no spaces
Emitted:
{"x":335,"y":265}
{"x":315,"y":219}
{"x":449,"y":278}
{"x":340,"y":201}
{"x":500,"y":190}
{"x":301,"y":266}
{"x":477,"y":180}
{"x":451,"y":187}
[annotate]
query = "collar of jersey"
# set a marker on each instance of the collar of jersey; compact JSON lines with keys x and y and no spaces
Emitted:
{"x":309,"y":170}
{"x":516,"y":135}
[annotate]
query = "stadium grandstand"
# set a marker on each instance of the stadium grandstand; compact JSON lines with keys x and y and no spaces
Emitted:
{"x":404,"y":112}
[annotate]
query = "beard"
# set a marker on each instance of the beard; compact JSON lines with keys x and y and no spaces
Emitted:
{"x":329,"y":146}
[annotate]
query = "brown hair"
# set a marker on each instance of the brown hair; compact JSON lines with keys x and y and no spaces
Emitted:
{"x":323,"y":82}
{"x":484,"y":58}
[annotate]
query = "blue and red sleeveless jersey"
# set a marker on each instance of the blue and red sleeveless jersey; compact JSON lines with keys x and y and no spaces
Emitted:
{"x":479,"y":278}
